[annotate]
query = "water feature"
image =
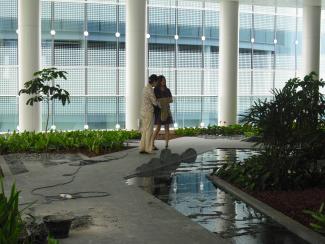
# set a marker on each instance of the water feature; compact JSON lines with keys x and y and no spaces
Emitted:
{"x":188,"y":190}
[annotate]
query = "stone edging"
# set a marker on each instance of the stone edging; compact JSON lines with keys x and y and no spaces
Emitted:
{"x":295,"y":227}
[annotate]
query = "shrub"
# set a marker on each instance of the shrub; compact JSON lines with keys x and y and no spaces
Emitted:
{"x":291,"y":130}
{"x":230,"y":130}
{"x":52,"y":241}
{"x":92,"y":141}
{"x":319,"y":218}
{"x":188,"y":131}
{"x":11,"y":224}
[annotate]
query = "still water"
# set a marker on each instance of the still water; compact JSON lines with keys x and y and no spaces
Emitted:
{"x":188,"y":190}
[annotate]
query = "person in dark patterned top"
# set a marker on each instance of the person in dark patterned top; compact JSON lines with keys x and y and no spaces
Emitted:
{"x":163,"y":115}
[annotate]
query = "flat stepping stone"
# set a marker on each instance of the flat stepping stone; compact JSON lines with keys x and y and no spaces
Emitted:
{"x":189,"y":156}
{"x":15,"y":165}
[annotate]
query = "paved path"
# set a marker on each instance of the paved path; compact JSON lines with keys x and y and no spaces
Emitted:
{"x":129,"y":215}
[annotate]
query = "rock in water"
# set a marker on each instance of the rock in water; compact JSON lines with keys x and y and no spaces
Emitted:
{"x":165,"y":155}
{"x":174,"y":159}
{"x":153,"y":164}
{"x":189,"y":156}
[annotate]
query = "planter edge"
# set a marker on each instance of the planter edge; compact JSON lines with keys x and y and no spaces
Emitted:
{"x":287,"y":222}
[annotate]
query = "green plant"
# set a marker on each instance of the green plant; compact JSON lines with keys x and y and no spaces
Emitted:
{"x":319,"y":217}
{"x":188,"y":131}
{"x":292,"y":122}
{"x":40,"y":89}
{"x":291,"y":127}
{"x":51,"y":240}
{"x":11,"y":224}
{"x":230,"y":130}
{"x":92,"y":141}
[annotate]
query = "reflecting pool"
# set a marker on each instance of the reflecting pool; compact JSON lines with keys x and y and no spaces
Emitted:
{"x":188,"y":190}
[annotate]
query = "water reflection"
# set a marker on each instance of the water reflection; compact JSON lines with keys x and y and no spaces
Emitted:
{"x":189,"y":191}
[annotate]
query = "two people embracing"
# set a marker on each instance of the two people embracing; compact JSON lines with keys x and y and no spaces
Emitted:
{"x":155,"y":110}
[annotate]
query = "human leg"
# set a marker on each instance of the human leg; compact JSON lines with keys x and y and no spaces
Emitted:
{"x":155,"y":135}
{"x":166,"y":135}
{"x":147,"y":133}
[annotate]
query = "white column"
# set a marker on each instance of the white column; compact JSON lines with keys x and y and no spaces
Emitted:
{"x":228,"y":62}
{"x":135,"y":59}
{"x":29,"y":46}
{"x":311,"y":39}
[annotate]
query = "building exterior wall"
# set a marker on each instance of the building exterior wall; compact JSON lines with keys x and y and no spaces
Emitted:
{"x":96,"y":63}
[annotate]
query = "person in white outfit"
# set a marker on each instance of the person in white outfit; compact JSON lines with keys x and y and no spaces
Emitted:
{"x":147,"y":115}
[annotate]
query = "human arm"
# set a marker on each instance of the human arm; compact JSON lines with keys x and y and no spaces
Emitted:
{"x":152,"y":98}
{"x":170,"y":97}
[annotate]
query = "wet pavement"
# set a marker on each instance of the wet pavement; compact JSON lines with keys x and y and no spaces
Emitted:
{"x":188,"y":190}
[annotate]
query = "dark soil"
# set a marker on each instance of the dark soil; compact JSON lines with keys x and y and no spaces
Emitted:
{"x":172,"y":135}
{"x":80,"y":150}
{"x":93,"y":154}
{"x":293,"y":203}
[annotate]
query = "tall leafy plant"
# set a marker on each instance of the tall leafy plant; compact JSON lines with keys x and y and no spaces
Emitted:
{"x":292,"y":122}
{"x":291,"y":130}
{"x":318,"y":223}
{"x":11,"y":224}
{"x":41,"y":89}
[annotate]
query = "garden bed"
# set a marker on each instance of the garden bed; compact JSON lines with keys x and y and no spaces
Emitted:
{"x":172,"y":135}
{"x":87,"y":141}
{"x":286,"y":208}
{"x":293,"y":203}
{"x":90,"y":154}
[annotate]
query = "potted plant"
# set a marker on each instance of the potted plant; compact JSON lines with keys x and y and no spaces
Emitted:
{"x":41,"y":89}
{"x":58,"y":225}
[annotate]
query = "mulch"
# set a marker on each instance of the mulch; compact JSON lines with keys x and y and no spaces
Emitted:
{"x":172,"y":136}
{"x":293,"y":203}
{"x":93,"y":154}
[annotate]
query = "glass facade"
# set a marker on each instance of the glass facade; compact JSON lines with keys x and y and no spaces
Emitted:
{"x":8,"y":65}
{"x":87,"y":39}
{"x":269,"y":51}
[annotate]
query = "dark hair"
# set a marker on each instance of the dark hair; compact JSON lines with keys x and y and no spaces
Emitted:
{"x":153,"y":78}
{"x":160,"y":78}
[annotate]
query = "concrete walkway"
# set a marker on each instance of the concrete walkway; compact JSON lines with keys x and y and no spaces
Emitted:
{"x":128,"y":215}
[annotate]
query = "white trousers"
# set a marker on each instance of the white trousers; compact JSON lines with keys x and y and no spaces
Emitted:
{"x":147,"y":124}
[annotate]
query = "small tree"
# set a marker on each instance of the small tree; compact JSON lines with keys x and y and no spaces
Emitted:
{"x":41,"y":90}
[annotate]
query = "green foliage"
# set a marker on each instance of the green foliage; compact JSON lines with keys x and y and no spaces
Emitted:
{"x":92,"y":141}
{"x":11,"y":224}
{"x":319,"y":218}
{"x":41,"y":89}
{"x":50,"y":240}
{"x":230,"y":130}
{"x":188,"y":131}
{"x":291,"y":130}
{"x":270,"y":171}
{"x":294,"y":118}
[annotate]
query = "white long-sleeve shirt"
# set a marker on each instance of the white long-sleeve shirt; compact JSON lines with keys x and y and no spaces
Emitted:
{"x":148,"y":99}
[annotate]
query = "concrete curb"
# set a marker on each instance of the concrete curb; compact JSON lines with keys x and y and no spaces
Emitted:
{"x":4,"y":168}
{"x":290,"y":224}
